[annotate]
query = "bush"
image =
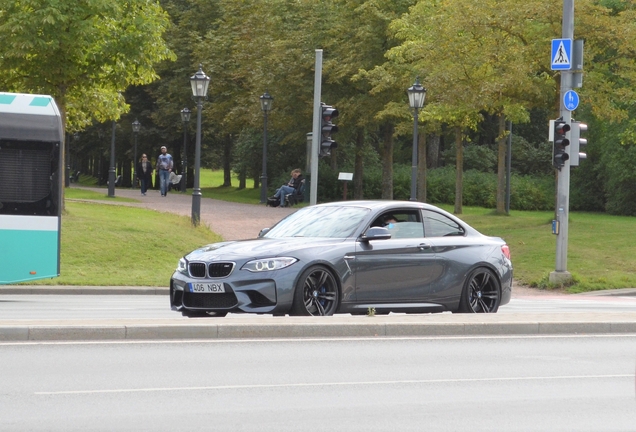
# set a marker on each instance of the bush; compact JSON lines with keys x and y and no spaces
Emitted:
{"x":480,"y":188}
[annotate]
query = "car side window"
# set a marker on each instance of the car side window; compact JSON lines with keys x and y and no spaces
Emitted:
{"x":438,"y":225}
{"x":401,"y":224}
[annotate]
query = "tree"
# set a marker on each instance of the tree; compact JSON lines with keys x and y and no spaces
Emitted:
{"x":83,"y":53}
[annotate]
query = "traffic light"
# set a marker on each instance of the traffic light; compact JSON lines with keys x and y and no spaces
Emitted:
{"x":578,"y":143}
{"x":559,"y":156}
{"x":327,"y":128}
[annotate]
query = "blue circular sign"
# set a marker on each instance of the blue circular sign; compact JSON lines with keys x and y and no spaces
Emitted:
{"x":571,"y":100}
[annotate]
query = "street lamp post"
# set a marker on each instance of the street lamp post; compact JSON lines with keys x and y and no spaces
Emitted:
{"x":417,"y":94}
{"x":135,"y":126}
{"x":266,"y":106}
{"x":111,"y":170}
{"x":185,"y":118}
{"x":200,"y":82}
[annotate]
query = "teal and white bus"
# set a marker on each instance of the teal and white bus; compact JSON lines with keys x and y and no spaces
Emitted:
{"x":31,"y":181}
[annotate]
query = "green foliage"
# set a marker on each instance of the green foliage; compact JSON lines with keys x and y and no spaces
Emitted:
{"x":440,"y":184}
{"x":527,"y":192}
{"x":532,"y":192}
{"x":476,"y":157}
{"x":478,"y":60}
{"x":81,"y":52}
{"x":531,"y":158}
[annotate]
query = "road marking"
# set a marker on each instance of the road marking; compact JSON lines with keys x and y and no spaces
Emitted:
{"x":332,"y":384}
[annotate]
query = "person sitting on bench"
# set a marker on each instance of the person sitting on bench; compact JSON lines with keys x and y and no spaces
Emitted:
{"x":291,"y":187}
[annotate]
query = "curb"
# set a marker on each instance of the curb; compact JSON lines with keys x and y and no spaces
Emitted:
{"x":24,"y":333}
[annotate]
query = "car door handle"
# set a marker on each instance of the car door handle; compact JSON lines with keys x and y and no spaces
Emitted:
{"x":424,"y":246}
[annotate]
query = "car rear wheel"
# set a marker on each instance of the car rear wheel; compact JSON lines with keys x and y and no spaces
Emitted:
{"x":316,"y":293}
{"x":481,"y":293}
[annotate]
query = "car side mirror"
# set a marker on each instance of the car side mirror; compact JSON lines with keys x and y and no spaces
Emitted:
{"x":263,"y":232}
{"x":376,"y":233}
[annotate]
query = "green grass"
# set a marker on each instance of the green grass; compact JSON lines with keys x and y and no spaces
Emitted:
{"x":84,"y":194}
{"x":112,"y":245}
{"x":116,"y":245}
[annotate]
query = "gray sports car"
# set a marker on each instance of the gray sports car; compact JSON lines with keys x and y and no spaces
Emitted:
{"x":347,"y":257}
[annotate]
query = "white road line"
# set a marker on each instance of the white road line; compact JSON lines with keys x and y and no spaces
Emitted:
{"x":333,"y":384}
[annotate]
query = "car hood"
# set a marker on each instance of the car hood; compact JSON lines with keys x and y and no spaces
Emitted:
{"x":257,"y":248}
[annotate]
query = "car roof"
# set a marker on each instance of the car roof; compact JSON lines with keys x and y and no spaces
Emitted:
{"x":380,"y":204}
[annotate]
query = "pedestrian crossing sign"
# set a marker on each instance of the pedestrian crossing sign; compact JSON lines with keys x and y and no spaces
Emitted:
{"x":561,"y":57}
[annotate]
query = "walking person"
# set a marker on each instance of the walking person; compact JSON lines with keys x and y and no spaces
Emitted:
{"x":164,"y":168}
{"x":144,"y":173}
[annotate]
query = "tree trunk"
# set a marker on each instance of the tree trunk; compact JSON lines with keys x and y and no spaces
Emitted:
{"x":421,"y":167}
{"x":459,"y":179}
{"x":501,"y":166}
{"x":333,"y":160}
{"x":242,"y":180}
{"x":386,"y":131}
{"x":358,"y":167}
{"x":227,"y":156}
{"x":432,"y":161}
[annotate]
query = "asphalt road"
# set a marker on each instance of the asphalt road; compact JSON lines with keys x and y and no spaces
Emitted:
{"x":521,"y":383}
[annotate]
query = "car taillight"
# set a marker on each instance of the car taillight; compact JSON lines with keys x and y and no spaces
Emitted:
{"x":506,"y":251}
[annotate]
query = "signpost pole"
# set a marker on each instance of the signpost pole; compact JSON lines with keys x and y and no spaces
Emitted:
{"x":317,"y":133}
{"x":561,"y":275}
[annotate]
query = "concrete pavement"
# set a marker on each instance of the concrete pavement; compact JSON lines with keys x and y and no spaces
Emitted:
{"x":237,"y":221}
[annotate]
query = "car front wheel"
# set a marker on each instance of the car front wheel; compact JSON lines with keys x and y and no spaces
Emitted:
{"x":316,"y":293}
{"x":481,"y":293}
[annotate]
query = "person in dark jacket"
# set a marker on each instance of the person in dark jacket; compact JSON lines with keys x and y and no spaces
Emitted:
{"x":291,"y":187}
{"x":144,"y":173}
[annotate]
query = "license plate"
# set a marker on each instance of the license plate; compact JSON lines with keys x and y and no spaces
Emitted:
{"x":207,"y":287}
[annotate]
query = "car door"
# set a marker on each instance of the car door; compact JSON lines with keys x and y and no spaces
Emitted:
{"x":453,"y":252}
{"x":398,"y":269}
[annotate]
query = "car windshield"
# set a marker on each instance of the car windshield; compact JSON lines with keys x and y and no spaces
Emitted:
{"x":327,"y":222}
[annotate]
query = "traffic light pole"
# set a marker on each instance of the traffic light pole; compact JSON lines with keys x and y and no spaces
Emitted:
{"x":316,"y":134}
{"x":561,"y":275}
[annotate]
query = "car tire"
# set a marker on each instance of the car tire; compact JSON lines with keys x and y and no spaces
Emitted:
{"x":202,"y":314}
{"x":481,"y":292}
{"x":316,"y":293}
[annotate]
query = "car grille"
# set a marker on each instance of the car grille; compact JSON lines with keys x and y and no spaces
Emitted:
{"x":215,"y":270}
{"x":225,"y":300}
{"x":197,"y":270}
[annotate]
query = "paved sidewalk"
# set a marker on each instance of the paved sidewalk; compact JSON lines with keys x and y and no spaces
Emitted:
{"x":240,"y":221}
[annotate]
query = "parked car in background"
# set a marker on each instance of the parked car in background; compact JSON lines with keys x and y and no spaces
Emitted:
{"x":347,"y":257}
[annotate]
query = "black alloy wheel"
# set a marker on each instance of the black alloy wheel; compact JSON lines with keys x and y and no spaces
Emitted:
{"x":316,"y":293}
{"x":481,"y":293}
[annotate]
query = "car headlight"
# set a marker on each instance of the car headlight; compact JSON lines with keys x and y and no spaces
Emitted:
{"x":268,"y":264}
{"x":182,"y":267}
